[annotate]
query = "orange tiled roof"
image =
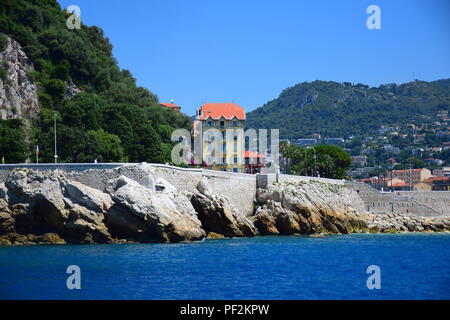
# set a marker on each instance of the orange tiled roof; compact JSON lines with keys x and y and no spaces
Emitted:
{"x":219,"y":110}
{"x":251,"y":154}
{"x":170,"y":105}
{"x":406,"y":170}
{"x":431,"y":179}
{"x":398,"y":184}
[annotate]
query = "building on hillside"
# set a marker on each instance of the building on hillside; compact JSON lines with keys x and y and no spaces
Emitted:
{"x":171,"y":106}
{"x":391,"y":149}
{"x":425,"y":185}
{"x":334,"y":141}
{"x":305,"y":142}
{"x":442,"y":113}
{"x":444,"y":135}
{"x":224,"y":121}
{"x":411,"y":176}
{"x":436,"y":149}
{"x":254,"y":162}
{"x":359,"y":160}
{"x":445,"y":146}
{"x":441,"y":184}
{"x":392,"y":162}
{"x":419,"y":138}
{"x":396,"y":184}
{"x":444,"y":172}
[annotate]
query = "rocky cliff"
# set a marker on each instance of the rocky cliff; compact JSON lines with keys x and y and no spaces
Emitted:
{"x":47,"y":207}
{"x":18,"y":94}
{"x":47,"y":204}
{"x":19,"y":97}
{"x":50,"y":207}
{"x":308,"y":207}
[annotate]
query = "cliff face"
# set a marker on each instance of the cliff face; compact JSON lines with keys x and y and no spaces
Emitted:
{"x":308,"y":207}
{"x":47,"y":204}
{"x":52,"y":207}
{"x":18,"y":94}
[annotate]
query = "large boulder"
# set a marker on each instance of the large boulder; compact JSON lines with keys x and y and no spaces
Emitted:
{"x":401,"y":222}
{"x":88,"y":197}
{"x":6,"y":219}
{"x":46,"y":202}
{"x":218,"y":216}
{"x":142,"y":214}
{"x":307,"y":207}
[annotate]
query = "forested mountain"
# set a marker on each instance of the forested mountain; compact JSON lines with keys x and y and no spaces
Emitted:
{"x":101,"y":113}
{"x":343,"y":109}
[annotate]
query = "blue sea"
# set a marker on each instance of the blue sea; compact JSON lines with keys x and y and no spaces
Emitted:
{"x":412,"y":266}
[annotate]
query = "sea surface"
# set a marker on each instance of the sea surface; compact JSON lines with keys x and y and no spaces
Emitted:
{"x":412,"y":266}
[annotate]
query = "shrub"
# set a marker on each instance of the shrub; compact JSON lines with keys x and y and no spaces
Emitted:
{"x":3,"y":42}
{"x":3,"y":74}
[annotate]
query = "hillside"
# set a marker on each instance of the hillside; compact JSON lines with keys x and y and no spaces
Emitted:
{"x":343,"y":109}
{"x":48,"y":71}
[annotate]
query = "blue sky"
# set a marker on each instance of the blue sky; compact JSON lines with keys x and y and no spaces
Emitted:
{"x":248,"y":51}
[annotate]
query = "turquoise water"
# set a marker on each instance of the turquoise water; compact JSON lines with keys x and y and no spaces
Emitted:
{"x":413,"y":266}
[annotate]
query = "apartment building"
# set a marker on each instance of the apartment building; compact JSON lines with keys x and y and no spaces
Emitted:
{"x":411,"y":176}
{"x":224,"y":123}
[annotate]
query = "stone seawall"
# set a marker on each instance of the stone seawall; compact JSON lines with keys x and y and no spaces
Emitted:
{"x":240,"y":189}
{"x":392,"y":202}
{"x":438,"y":200}
{"x":137,"y":203}
{"x":5,"y":169}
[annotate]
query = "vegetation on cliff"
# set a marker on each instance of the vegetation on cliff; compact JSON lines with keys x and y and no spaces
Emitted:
{"x":343,"y":109}
{"x":112,"y":119}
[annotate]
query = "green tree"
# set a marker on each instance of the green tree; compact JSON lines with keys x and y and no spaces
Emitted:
{"x":103,"y":147}
{"x":13,"y":147}
{"x":326,"y":161}
{"x":112,"y":119}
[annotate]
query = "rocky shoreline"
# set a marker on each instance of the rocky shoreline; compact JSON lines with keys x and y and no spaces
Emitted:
{"x":45,"y":207}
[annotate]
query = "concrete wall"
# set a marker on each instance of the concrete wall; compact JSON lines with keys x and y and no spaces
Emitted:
{"x":439,"y":200}
{"x":382,"y":202}
{"x":5,"y":169}
{"x":289,"y":178}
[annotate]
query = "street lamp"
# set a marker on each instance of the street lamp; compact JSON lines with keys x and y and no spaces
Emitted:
{"x":54,"y":124}
{"x":306,"y":171}
{"x":410,"y":177}
{"x":315,"y":162}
